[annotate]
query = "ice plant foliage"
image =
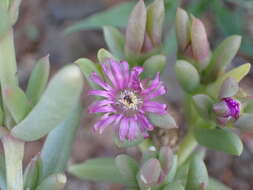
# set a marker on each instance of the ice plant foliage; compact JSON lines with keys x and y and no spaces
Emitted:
{"x":126,"y":99}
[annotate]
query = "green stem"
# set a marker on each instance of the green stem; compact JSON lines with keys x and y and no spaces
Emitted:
{"x":186,"y":148}
{"x":14,"y":153}
{"x":189,"y":143}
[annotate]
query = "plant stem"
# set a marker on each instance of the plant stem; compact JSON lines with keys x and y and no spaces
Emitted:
{"x":14,"y":153}
{"x":186,"y":148}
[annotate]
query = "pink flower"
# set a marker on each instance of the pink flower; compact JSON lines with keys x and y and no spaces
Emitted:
{"x":227,"y":110}
{"x":126,"y":100}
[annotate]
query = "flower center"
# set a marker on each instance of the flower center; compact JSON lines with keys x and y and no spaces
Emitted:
{"x":129,"y":100}
{"x":234,"y":107}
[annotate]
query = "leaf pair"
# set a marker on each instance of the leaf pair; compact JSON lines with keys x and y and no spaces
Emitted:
{"x":55,"y":104}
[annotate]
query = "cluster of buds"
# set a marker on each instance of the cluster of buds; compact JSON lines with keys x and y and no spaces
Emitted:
{"x":144,"y":29}
{"x":143,"y":34}
{"x":202,"y":71}
{"x":193,"y":46}
{"x":227,"y":108}
{"x":157,"y":170}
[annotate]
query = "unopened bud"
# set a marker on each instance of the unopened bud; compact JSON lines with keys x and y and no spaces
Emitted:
{"x":227,"y":110}
{"x":155,"y":19}
{"x":136,"y":29}
{"x":150,"y":173}
{"x":200,"y":44}
{"x":182,"y":29}
{"x":166,"y":159}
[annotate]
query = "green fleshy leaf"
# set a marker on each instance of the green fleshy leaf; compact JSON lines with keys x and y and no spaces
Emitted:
{"x":216,"y":185}
{"x":182,"y":174}
{"x":172,"y":173}
{"x":223,"y":56}
{"x":165,"y":121}
{"x":5,"y":24}
{"x":245,"y":122}
{"x":55,"y":104}
{"x":237,"y":73}
{"x":220,"y":139}
{"x":1,"y":116}
{"x":8,"y":67}
{"x":31,"y":174}
{"x":16,"y":102}
{"x":87,"y":67}
{"x":174,"y":186}
{"x":3,"y":185}
{"x":53,"y":182}
{"x":4,"y":4}
{"x":128,"y":168}
{"x":38,"y":80}
{"x":14,"y":10}
{"x":114,"y":40}
{"x":115,"y":16}
{"x":229,"y":88}
{"x":187,"y":75}
{"x":204,"y":105}
{"x":99,"y":169}
{"x":104,"y":55}
{"x":198,"y":175}
{"x":153,"y":65}
{"x":57,"y":147}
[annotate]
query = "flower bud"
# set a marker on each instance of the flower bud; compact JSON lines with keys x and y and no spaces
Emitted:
{"x":200,"y":44}
{"x":155,"y":19}
{"x":150,"y":173}
{"x":136,"y":28}
{"x":166,"y":159}
{"x":182,"y":29}
{"x":227,"y":110}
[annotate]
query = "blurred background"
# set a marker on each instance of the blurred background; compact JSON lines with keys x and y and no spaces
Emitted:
{"x":70,"y":29}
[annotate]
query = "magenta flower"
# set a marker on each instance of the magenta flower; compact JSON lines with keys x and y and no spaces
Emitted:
{"x":126,"y":100}
{"x":227,"y":110}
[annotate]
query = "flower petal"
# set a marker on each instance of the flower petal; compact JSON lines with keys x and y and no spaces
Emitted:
{"x":97,"y":79}
{"x":123,"y":129}
{"x":102,"y":93}
{"x":161,"y":90}
{"x":145,"y":123}
{"x":154,"y":107}
{"x":108,"y":71}
{"x":103,"y":123}
{"x":99,"y":104}
{"x":134,"y":81}
{"x":133,"y":129}
{"x":117,"y":73}
{"x":125,"y":71}
{"x":153,"y":85}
